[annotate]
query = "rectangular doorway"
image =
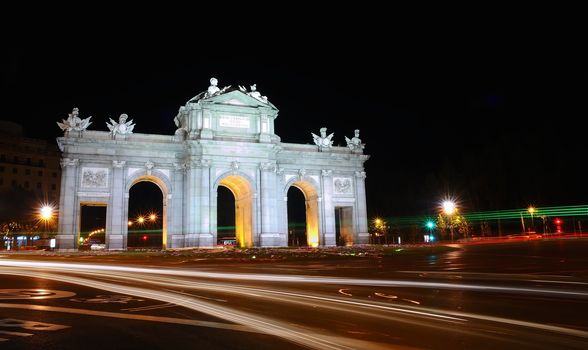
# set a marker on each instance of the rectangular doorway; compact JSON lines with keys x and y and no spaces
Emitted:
{"x":92,"y":234}
{"x":344,"y":232}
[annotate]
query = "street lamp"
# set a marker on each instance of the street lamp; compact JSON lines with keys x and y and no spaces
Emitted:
{"x":379,"y":225}
{"x":531,"y":211}
{"x":46,"y":214}
{"x":449,"y":209}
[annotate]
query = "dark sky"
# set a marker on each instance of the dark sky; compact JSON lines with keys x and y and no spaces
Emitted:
{"x":497,"y":128}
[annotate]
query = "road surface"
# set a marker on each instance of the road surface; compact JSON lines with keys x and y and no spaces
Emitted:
{"x":522,"y":295}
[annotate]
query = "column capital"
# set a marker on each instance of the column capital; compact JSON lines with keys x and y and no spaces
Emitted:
{"x":360,"y":174}
{"x":118,"y":163}
{"x":65,"y":162}
{"x":180,"y":167}
{"x":200,"y":163}
{"x":326,"y":173}
{"x":267,"y":167}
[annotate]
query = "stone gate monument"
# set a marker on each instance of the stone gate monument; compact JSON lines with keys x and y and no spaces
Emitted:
{"x":225,"y":137}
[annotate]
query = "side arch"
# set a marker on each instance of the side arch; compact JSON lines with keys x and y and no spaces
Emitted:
{"x":310,"y":189}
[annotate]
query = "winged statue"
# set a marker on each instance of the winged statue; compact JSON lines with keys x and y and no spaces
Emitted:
{"x":122,"y":127}
{"x":323,"y":141}
{"x":73,"y":122}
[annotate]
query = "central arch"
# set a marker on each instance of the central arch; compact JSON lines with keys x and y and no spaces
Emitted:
{"x":243,"y":193}
{"x":312,"y":210}
{"x":160,"y":180}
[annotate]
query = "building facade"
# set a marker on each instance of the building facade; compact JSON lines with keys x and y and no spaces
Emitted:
{"x":225,"y":137}
{"x":28,"y":167}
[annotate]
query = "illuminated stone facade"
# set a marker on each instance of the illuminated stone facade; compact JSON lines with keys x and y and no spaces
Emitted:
{"x":225,"y":137}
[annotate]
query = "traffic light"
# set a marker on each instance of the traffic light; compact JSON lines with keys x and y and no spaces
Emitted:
{"x":145,"y":237}
{"x":558,"y":223}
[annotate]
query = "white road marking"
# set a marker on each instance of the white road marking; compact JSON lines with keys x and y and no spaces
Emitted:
{"x":388,"y":296}
{"x":183,"y":321}
{"x":33,"y":294}
{"x":342,"y":291}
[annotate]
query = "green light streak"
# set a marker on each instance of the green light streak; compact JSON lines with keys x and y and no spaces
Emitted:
{"x":548,"y":212}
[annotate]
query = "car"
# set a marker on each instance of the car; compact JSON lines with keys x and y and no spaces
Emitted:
{"x":228,"y":241}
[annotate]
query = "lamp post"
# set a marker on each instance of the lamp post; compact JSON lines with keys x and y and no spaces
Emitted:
{"x":449,"y":210}
{"x":379,"y":225}
{"x":46,"y":214}
{"x":531,"y":211}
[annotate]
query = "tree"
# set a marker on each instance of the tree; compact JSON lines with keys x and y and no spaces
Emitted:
{"x":453,"y":223}
{"x":379,"y":228}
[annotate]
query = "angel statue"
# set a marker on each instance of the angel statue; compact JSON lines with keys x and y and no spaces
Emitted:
{"x":354,"y":143}
{"x":122,"y":127}
{"x":73,"y":122}
{"x":323,"y":141}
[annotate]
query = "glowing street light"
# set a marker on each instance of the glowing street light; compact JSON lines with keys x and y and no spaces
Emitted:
{"x":531,"y":211}
{"x":448,"y":207}
{"x":380,"y":228}
{"x":152,"y":217}
{"x":130,"y":223}
{"x":46,"y":212}
{"x":140,"y":219}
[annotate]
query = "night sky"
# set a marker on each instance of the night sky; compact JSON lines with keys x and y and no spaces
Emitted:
{"x":497,"y":129}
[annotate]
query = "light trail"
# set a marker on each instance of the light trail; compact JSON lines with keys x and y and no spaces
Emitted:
{"x":81,"y":268}
{"x":261,"y":324}
{"x":184,"y":279}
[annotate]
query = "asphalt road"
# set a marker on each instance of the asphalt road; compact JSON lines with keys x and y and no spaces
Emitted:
{"x":524,"y":295}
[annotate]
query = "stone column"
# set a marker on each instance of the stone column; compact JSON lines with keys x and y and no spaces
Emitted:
{"x":175,"y":208}
{"x":282,"y":199}
{"x":68,"y":207}
{"x":270,"y":236}
{"x":328,"y":210}
{"x":361,"y":208}
{"x":115,"y":211}
{"x":191,"y":203}
{"x":206,"y":237}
